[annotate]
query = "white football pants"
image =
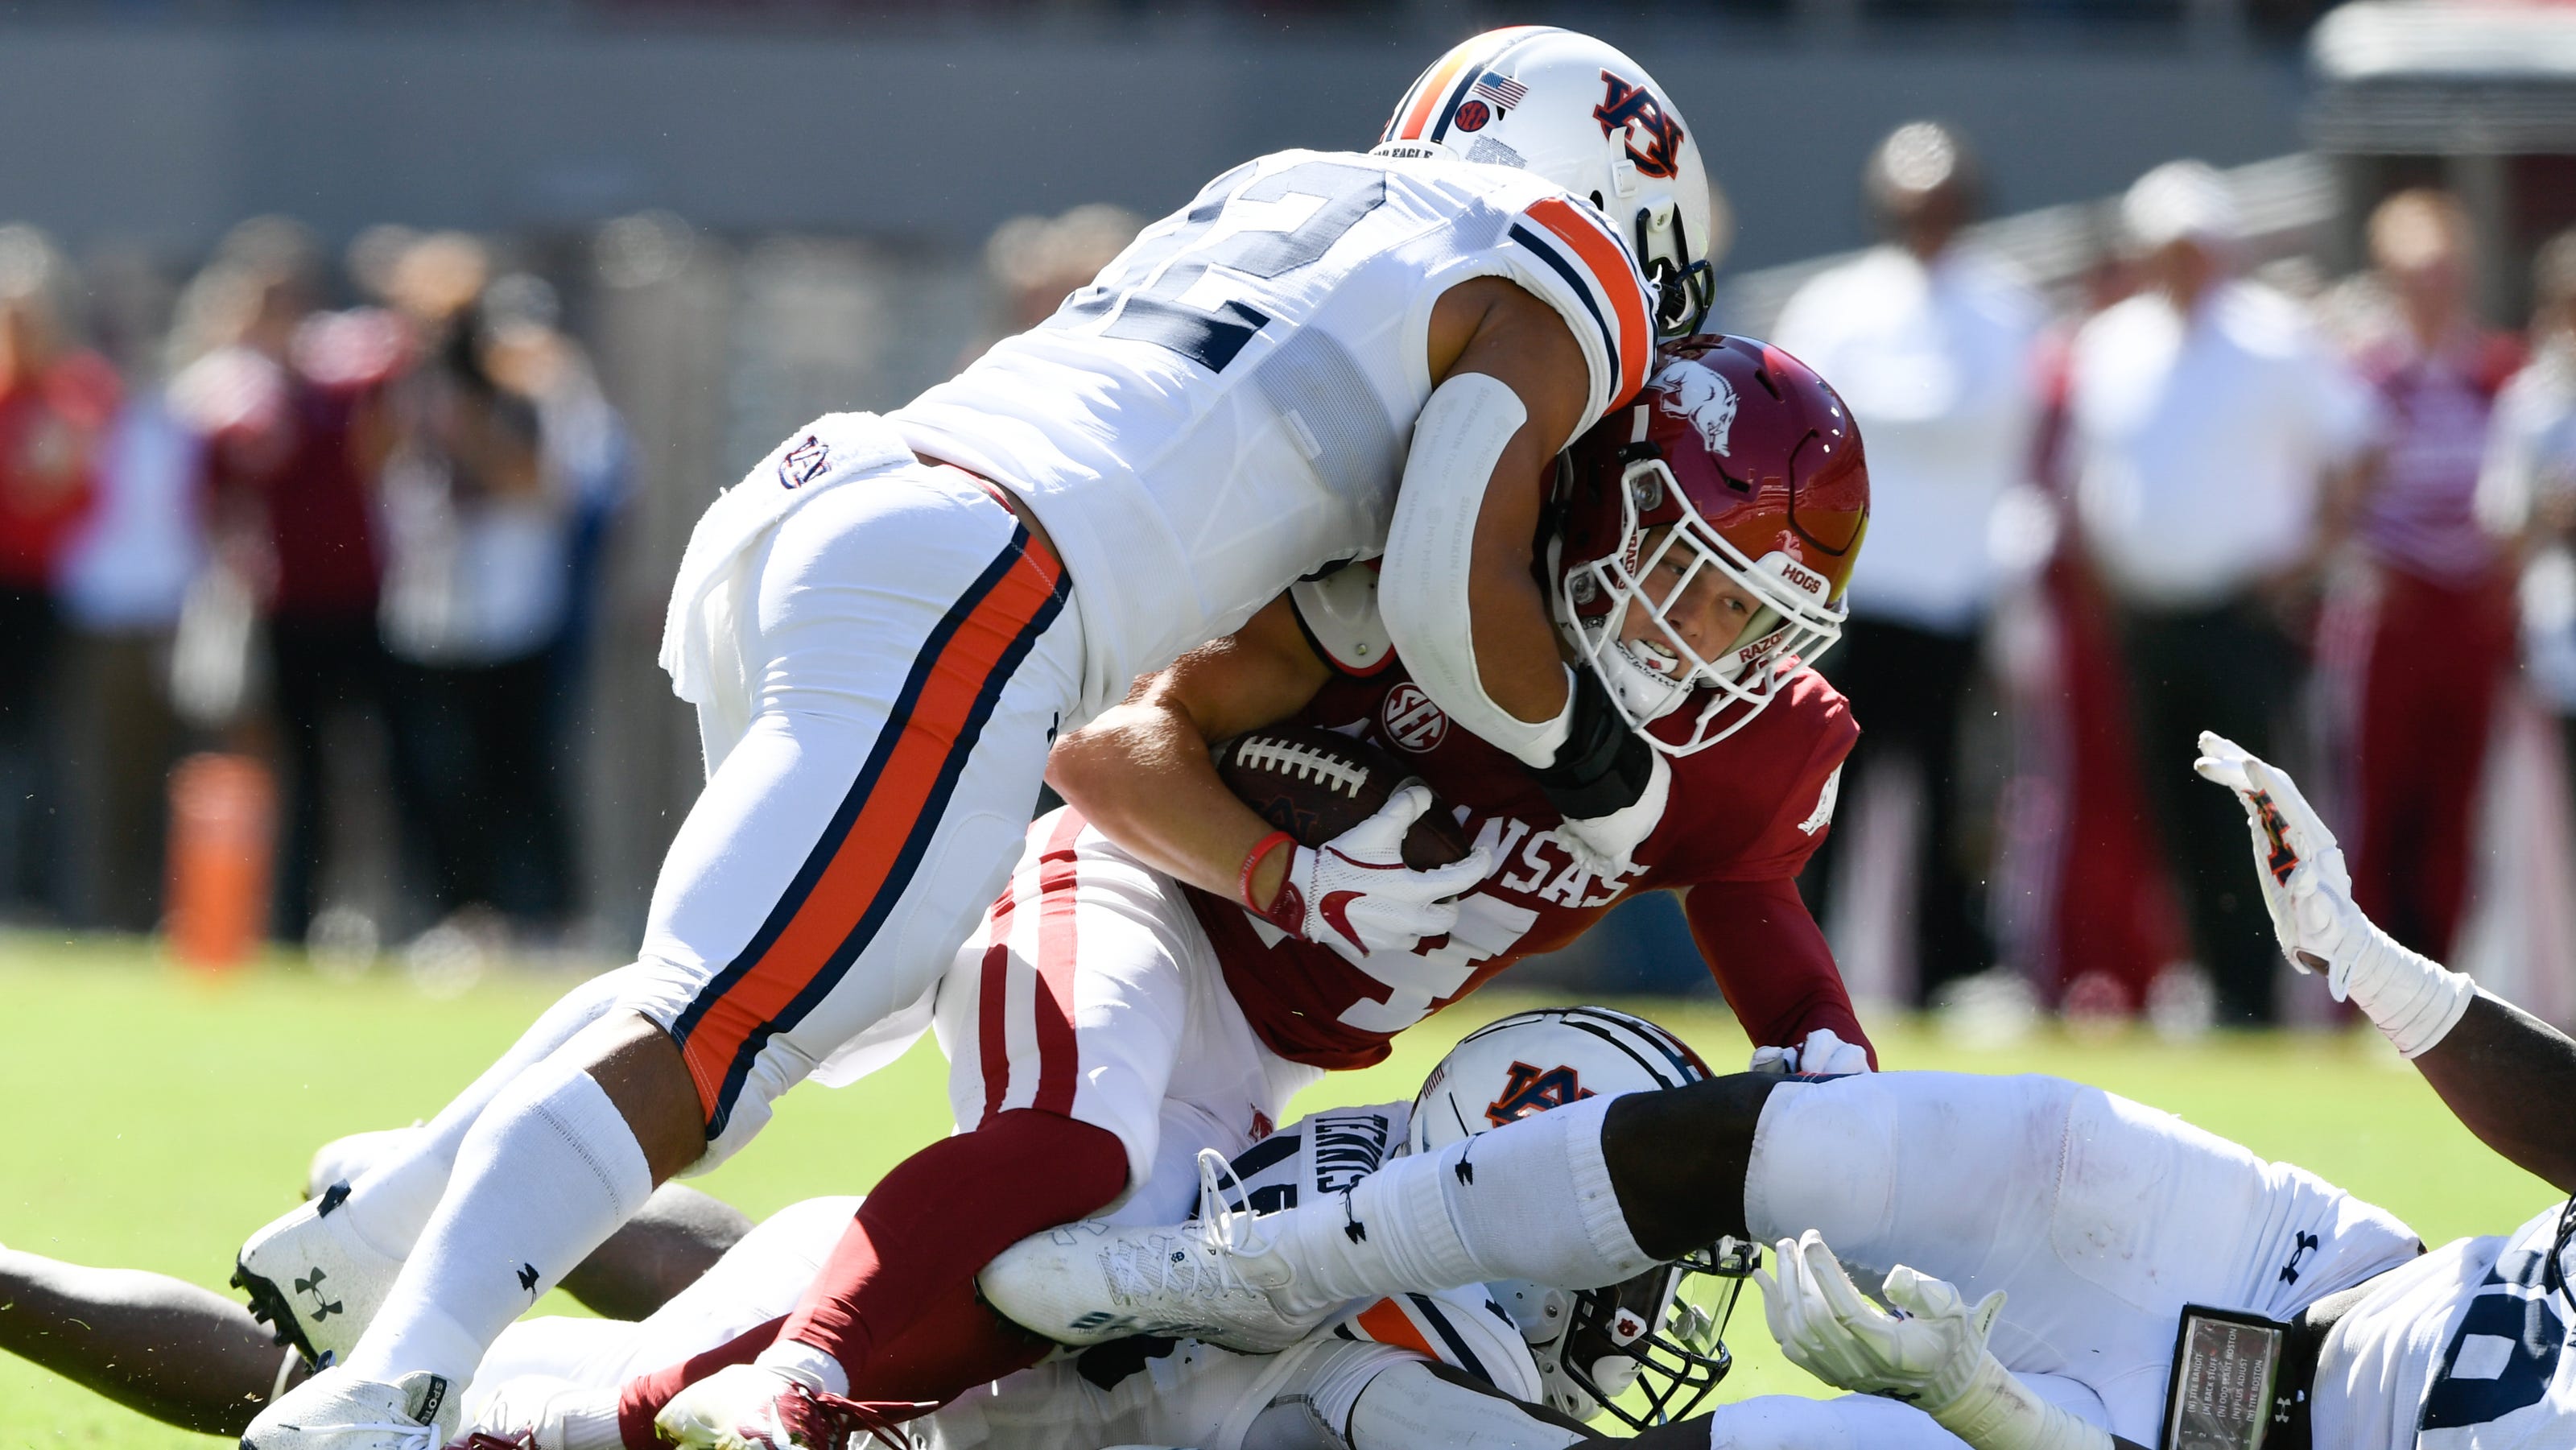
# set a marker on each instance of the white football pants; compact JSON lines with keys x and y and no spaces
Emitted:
{"x":2100,"y":1219}
{"x":1091,"y":991}
{"x":908,"y":657}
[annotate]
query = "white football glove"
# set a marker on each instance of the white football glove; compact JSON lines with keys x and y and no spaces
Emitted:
{"x":1824,"y":1052}
{"x":1355,"y":894}
{"x":2308,"y":892}
{"x":1929,"y":1352}
{"x":1607,"y":845}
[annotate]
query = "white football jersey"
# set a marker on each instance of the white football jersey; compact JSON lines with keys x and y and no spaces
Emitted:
{"x":2462,"y":1348}
{"x":1227,"y":408}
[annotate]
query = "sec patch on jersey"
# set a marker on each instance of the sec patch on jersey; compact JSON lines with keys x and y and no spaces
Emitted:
{"x":1315,"y":784}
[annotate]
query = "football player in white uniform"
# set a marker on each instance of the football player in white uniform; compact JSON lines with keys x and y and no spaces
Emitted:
{"x":2069,"y":1270}
{"x":1323,"y":356}
{"x":1510,"y":1366}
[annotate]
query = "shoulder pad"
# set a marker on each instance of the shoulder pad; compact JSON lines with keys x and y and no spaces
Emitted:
{"x":1582,"y":268}
{"x":1339,"y":613}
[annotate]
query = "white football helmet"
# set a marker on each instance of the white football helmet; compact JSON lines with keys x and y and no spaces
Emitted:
{"x":1592,"y":1345}
{"x":1562,"y":105}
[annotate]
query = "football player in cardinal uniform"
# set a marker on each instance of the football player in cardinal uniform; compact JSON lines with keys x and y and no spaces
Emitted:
{"x":1166,"y":970}
{"x":1322,"y":356}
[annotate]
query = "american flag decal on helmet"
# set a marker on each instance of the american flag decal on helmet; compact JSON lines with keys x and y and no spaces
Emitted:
{"x":1502,"y":90}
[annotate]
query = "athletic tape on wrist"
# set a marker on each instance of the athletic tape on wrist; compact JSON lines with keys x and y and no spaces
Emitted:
{"x":2413,"y":1000}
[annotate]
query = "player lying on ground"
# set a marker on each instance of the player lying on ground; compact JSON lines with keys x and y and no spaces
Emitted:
{"x":1112,"y":1016}
{"x":1512,"y":1366}
{"x":2043,"y":1238}
{"x":189,"y":1357}
{"x":1321,"y":357}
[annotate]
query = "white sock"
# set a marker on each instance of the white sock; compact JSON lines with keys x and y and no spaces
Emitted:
{"x":389,"y":1203}
{"x":1529,"y":1201}
{"x":548,"y":1172}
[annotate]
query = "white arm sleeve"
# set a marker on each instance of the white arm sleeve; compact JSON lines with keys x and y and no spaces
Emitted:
{"x":1430,"y":553}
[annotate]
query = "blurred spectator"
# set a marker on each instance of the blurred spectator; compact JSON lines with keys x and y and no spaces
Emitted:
{"x":1036,"y":261}
{"x":123,"y":581}
{"x":2430,"y":625}
{"x":56,"y":402}
{"x":585,"y":445}
{"x":2527,"y":486}
{"x":281,"y":396}
{"x":1929,"y":341}
{"x":2204,"y":418}
{"x":478,"y":517}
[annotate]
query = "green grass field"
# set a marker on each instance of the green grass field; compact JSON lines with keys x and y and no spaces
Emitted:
{"x":162,"y":1117}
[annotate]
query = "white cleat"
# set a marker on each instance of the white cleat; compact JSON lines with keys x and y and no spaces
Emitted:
{"x":313,"y":1280}
{"x":332,"y":1411}
{"x":1217,"y":1280}
{"x":344,"y":1160}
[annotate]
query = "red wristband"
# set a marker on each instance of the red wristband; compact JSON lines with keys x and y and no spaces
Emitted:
{"x":1261,"y":850}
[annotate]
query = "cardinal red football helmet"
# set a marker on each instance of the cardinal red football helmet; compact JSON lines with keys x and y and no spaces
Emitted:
{"x":1736,"y":458}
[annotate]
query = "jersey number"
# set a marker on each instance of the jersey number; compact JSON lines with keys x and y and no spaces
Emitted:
{"x":1147,"y":294}
{"x":2504,"y":1355}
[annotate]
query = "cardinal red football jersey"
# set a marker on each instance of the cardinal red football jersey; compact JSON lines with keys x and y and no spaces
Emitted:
{"x":1750,"y":808}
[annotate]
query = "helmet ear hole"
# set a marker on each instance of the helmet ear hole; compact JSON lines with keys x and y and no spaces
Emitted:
{"x":1597,"y":204}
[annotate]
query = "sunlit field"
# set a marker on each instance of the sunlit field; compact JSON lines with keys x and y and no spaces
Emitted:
{"x":160,"y":1117}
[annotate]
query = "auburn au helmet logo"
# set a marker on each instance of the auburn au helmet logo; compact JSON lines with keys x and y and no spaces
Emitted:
{"x":1530,"y":1091}
{"x":1654,"y":138}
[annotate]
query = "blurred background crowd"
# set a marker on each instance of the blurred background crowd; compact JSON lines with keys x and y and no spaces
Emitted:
{"x":346,"y":539}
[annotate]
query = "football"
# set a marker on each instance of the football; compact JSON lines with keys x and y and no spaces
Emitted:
{"x":1315,"y":784}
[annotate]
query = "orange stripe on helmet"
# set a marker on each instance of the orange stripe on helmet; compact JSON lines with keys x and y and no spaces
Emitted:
{"x":1434,"y":85}
{"x":1609,"y":265}
{"x":1421,"y":104}
{"x":1387,"y":1323}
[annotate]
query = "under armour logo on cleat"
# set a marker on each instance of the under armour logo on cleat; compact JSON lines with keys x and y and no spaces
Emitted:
{"x":322,"y":1308}
{"x":528,"y":1277}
